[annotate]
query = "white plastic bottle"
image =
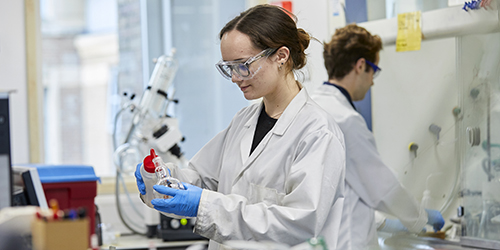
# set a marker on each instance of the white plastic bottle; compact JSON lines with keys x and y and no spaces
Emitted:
{"x":151,"y":216}
{"x":149,"y":178}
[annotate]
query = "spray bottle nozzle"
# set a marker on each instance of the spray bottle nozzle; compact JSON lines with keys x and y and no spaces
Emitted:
{"x":148,"y":163}
{"x":153,"y":154}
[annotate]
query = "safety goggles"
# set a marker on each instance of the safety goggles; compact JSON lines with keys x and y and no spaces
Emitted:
{"x":376,"y":69}
{"x":242,"y":68}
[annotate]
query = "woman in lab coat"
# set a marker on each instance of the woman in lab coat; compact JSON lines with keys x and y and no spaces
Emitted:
{"x":276,"y":173}
{"x":351,"y":59}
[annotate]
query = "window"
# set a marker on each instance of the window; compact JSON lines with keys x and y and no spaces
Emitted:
{"x":98,"y":54}
{"x":207,"y":101}
{"x":79,"y":56}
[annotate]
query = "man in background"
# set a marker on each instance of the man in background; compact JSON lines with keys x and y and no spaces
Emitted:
{"x":351,"y":59}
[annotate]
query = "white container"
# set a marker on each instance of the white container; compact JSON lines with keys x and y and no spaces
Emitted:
{"x":149,"y":178}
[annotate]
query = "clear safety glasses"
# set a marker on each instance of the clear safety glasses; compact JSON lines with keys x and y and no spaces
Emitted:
{"x":376,"y":69}
{"x":242,"y":68}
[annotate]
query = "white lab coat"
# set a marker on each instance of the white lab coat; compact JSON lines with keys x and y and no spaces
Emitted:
{"x":288,"y":190}
{"x":370,"y":184}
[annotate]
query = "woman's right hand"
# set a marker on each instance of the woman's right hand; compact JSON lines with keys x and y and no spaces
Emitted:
{"x":138,"y":179}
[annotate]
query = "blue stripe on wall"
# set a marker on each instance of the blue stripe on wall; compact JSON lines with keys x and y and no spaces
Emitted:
{"x":355,"y":12}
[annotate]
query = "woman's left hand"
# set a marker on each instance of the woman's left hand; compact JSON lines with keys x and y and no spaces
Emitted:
{"x":183,"y":202}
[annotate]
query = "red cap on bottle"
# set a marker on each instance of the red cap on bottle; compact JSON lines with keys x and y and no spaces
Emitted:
{"x":148,"y":164}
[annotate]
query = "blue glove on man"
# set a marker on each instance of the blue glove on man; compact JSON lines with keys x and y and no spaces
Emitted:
{"x":183,"y":202}
{"x":393,"y":226}
{"x":435,"y":219}
{"x":138,"y":178}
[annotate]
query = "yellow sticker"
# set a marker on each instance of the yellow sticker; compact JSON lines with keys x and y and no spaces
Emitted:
{"x":409,"y":32}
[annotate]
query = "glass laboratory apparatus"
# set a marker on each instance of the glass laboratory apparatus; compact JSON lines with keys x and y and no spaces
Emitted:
{"x":478,"y":67}
{"x":156,"y":172}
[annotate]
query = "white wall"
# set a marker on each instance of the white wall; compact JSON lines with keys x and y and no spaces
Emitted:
{"x":13,"y":75}
{"x":420,"y":88}
{"x":313,"y":18}
{"x":411,"y":94}
{"x":316,"y":17}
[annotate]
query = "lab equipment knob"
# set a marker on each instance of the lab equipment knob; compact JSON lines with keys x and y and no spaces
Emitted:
{"x":460,"y":211}
{"x":435,"y":129}
{"x":474,"y":93}
{"x":474,"y":135}
{"x":175,"y":224}
{"x":413,"y":148}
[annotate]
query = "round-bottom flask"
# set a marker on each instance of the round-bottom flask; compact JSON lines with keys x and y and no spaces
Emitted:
{"x":166,"y":180}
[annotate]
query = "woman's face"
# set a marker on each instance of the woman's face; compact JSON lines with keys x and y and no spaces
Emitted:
{"x":238,"y":46}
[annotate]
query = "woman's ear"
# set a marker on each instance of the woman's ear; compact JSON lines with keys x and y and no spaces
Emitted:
{"x":282,"y":55}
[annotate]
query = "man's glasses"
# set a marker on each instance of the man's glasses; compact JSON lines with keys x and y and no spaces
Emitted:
{"x":242,"y":68}
{"x":376,"y":69}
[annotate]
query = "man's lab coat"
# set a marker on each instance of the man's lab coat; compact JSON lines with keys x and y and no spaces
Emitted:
{"x":370,"y":184}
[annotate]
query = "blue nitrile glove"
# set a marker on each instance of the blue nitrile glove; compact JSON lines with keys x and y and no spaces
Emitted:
{"x":435,"y":219}
{"x":393,"y":226}
{"x":138,"y":179}
{"x":183,"y":202}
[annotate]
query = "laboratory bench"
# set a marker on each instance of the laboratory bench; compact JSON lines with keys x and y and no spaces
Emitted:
{"x":407,"y":241}
{"x":133,"y":242}
{"x":386,"y":241}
